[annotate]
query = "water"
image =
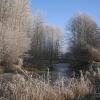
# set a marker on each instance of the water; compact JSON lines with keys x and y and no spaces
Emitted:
{"x":62,"y":68}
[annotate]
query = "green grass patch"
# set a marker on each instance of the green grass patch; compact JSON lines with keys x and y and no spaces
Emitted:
{"x":16,"y":68}
{"x":8,"y":69}
{"x":1,"y":71}
{"x":35,"y":69}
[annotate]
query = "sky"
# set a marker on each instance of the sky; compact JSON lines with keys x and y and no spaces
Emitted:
{"x":59,"y":12}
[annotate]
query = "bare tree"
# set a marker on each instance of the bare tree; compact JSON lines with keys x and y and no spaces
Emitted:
{"x":83,"y":28}
{"x":38,"y":37}
{"x":53,"y":43}
{"x":15,"y":24}
{"x":45,"y":40}
{"x":84,"y":38}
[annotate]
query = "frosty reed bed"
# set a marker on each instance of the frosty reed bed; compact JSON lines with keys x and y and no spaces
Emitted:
{"x":24,"y":87}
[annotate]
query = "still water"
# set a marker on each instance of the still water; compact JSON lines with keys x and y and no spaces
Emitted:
{"x":59,"y":70}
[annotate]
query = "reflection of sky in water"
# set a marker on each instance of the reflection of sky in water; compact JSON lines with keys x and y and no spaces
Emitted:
{"x":61,"y":67}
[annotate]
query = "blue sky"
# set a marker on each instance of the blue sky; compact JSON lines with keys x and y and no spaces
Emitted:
{"x":58,"y":12}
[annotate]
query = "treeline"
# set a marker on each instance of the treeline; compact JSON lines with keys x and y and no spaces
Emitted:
{"x":25,"y":36}
{"x":31,"y":38}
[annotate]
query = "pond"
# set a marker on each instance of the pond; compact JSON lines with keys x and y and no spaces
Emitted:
{"x":62,"y":68}
{"x":59,"y":70}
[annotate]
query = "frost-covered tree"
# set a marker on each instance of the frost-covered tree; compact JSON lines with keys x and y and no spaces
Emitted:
{"x":85,"y":43}
{"x":45,"y":40}
{"x":15,"y":24}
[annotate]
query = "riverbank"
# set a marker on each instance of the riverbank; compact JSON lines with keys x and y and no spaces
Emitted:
{"x":26,"y":87}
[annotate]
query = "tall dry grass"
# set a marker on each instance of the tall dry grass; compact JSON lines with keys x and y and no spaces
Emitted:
{"x":23,"y":87}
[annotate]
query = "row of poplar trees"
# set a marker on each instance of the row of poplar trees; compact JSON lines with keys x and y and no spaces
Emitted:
{"x":23,"y":33}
